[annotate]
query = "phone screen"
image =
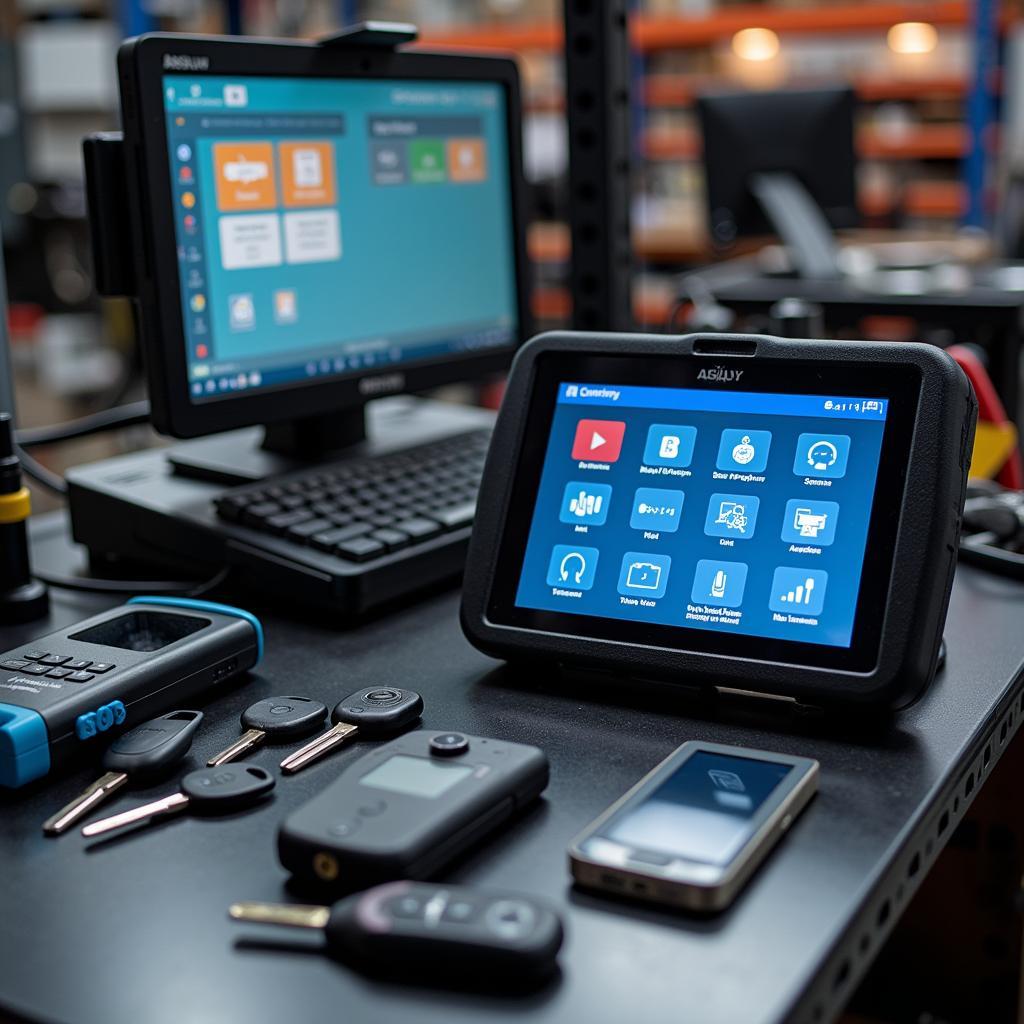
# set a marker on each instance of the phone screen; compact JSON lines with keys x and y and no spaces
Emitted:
{"x":702,"y":812}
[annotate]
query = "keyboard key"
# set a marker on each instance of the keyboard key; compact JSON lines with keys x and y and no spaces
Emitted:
{"x":359,"y":549}
{"x":455,"y":516}
{"x":80,"y":677}
{"x":58,"y":673}
{"x":78,"y":665}
{"x":418,"y":529}
{"x":34,"y":655}
{"x":100,"y":666}
{"x":391,"y":539}
{"x":14,"y":665}
{"x":255,"y":514}
{"x":55,"y":659}
{"x":286,"y":520}
{"x":327,"y":540}
{"x":36,"y":670}
{"x":305,"y":530}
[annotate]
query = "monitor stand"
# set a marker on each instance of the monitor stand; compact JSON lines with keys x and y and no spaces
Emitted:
{"x":255,"y":453}
{"x":799,"y":222}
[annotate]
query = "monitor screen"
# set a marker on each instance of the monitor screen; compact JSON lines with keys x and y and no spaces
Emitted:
{"x":728,"y":511}
{"x":326,"y":226}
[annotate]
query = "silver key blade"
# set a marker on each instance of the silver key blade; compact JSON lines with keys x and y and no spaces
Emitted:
{"x":318,"y":747}
{"x":84,"y":803}
{"x":290,"y":915}
{"x":249,"y":740}
{"x":167,"y":805}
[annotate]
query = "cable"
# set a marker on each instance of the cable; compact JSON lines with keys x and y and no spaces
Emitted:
{"x":92,"y":585}
{"x":128,"y":415}
{"x":38,"y":472}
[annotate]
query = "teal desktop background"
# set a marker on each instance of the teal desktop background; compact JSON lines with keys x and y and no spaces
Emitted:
{"x":417,"y":259}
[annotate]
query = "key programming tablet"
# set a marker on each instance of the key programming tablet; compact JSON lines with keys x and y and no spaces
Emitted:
{"x":754,"y":508}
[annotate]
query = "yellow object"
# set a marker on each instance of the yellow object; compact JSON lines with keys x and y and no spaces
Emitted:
{"x":16,"y":507}
{"x":993,"y":444}
{"x":912,"y":37}
{"x":755,"y":44}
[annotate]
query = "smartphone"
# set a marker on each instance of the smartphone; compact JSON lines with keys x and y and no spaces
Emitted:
{"x":692,"y":831}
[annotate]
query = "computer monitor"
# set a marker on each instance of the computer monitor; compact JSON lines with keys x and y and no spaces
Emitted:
{"x":782,"y":163}
{"x":319,"y":226}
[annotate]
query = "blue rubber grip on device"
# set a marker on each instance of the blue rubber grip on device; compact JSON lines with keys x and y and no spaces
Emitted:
{"x":191,"y":604}
{"x":24,"y":746}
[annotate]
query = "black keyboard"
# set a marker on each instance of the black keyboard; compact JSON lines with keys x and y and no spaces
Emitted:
{"x":364,"y":508}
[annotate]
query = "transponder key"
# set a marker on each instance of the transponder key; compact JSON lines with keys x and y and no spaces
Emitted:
{"x":373,"y":711}
{"x":142,"y":754}
{"x":227,"y":787}
{"x":276,"y":718}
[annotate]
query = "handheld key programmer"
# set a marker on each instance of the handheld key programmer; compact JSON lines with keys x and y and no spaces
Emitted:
{"x":78,"y":686}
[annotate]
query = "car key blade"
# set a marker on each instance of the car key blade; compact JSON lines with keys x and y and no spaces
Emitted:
{"x":167,"y":805}
{"x":84,"y":803}
{"x":317,"y":748}
{"x":249,"y":740}
{"x":290,"y":915}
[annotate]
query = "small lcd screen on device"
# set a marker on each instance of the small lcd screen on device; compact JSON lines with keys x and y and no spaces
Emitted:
{"x":326,"y":226}
{"x":701,"y":812}
{"x":731,"y":511}
{"x":415,"y":776}
{"x":142,"y":631}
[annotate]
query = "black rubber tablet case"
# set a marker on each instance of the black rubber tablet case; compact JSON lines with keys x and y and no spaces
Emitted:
{"x":923,"y":563}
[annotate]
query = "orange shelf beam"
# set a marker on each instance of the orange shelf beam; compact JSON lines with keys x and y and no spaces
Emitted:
{"x":673,"y":32}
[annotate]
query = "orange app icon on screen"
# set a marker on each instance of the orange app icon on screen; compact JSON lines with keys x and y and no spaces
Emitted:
{"x":307,"y":173}
{"x":467,"y":160}
{"x":245,"y":175}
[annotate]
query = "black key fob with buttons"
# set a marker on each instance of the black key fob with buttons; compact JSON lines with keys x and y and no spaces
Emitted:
{"x":409,"y":807}
{"x":445,"y":931}
{"x":379,"y":709}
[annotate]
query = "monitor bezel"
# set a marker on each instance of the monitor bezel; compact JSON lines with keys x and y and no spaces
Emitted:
{"x":141,"y":66}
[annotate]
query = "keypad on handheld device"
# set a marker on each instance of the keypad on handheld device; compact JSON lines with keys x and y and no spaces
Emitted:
{"x":56,"y":666}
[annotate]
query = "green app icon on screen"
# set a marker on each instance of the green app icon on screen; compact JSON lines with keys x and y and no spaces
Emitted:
{"x":426,"y":160}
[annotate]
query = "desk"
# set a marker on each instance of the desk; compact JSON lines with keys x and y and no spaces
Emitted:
{"x":137,"y":930}
{"x":990,"y":317}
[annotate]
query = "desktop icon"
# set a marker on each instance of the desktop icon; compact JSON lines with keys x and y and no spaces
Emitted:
{"x":810,"y":522}
{"x":644,"y":575}
{"x":669,"y":445}
{"x":719,"y":583}
{"x":732,"y":515}
{"x":744,"y":451}
{"x":598,"y":440}
{"x":236,"y":95}
{"x":822,"y":455}
{"x":585,"y":503}
{"x":655,"y":508}
{"x":572,"y":568}
{"x":799,"y":591}
{"x":285,"y":306}
{"x":188,"y":200}
{"x":241,"y":312}
{"x":197,"y":303}
{"x":183,"y":152}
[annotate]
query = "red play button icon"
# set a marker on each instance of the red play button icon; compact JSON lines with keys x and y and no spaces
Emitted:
{"x":598,"y":440}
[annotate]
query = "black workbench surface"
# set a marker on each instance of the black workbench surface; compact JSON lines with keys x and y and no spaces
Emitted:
{"x":135,"y":929}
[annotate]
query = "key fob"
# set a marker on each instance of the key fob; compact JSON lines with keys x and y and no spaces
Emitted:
{"x":149,"y":749}
{"x":226,"y":787}
{"x":284,"y":718}
{"x":448,"y":930}
{"x":379,"y":709}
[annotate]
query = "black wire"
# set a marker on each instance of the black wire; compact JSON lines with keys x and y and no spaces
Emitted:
{"x":87,"y":584}
{"x":38,"y":472}
{"x":95,"y":423}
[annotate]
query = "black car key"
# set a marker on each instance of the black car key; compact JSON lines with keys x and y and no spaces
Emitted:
{"x":212,"y":790}
{"x":424,"y":929}
{"x":142,"y":754}
{"x":373,"y":711}
{"x":276,"y":718}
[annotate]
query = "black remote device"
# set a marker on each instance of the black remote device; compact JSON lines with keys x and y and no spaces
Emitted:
{"x":418,"y":929}
{"x":409,"y":807}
